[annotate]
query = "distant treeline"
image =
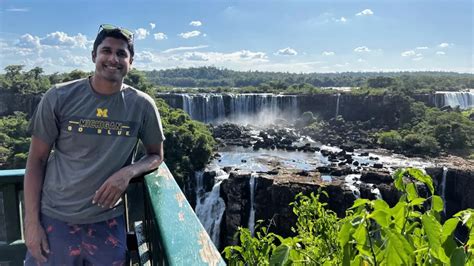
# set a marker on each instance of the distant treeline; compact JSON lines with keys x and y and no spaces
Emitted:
{"x":217,"y":77}
{"x":34,"y":81}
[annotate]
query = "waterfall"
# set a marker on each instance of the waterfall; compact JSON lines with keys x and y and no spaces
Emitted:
{"x":253,"y":186}
{"x":210,"y":206}
{"x":248,"y":108}
{"x":376,"y":192}
{"x":463,"y":99}
{"x":203,"y":107}
{"x":443,"y":188}
{"x":351,"y":181}
{"x":337,"y":104}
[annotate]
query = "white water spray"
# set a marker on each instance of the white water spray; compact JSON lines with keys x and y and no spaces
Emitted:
{"x":337,"y":104}
{"x":253,"y":186}
{"x":210,"y":207}
{"x":443,"y":188}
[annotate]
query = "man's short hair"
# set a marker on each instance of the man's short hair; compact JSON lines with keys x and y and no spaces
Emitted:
{"x":117,"y":34}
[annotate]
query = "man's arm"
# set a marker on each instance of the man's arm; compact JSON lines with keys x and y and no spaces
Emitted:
{"x":112,"y":189}
{"x":36,"y":240}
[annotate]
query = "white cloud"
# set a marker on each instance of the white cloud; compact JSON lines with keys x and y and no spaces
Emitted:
{"x":190,"y":34}
{"x":59,"y":38}
{"x":286,"y":51}
{"x":360,"y":60}
{"x":141,"y":33}
{"x":146,"y":57}
{"x":196,"y":56}
{"x":195,"y":23}
{"x":342,"y":65}
{"x":216,"y":57}
{"x":342,"y":19}
{"x":328,"y":53}
{"x":152,"y":25}
{"x":29,"y":41}
{"x":362,"y":49}
{"x":75,"y":61}
{"x":246,"y":54}
{"x":17,"y":10}
{"x":365,"y":12}
{"x":160,"y":36}
{"x":185,"y":48}
{"x":444,"y":45}
{"x":418,"y":58}
{"x":421,"y":48}
{"x":440,"y":53}
{"x":408,"y":53}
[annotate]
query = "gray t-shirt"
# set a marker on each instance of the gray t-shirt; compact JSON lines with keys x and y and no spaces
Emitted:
{"x":93,"y":136}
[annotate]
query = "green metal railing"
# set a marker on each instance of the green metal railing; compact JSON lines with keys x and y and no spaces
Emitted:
{"x":12,"y":247}
{"x":167,"y":229}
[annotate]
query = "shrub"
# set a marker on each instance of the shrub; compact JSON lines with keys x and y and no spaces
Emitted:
{"x":390,"y":140}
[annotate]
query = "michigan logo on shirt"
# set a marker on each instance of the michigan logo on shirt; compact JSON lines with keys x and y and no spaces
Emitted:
{"x":102,"y":112}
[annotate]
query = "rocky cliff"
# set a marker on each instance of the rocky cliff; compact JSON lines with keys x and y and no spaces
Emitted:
{"x":274,"y":193}
{"x":11,"y":102}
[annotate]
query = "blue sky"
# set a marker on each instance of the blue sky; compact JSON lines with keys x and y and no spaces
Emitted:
{"x":290,"y":36}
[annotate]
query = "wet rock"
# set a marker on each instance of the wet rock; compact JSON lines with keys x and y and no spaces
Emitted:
{"x":323,"y":169}
{"x":378,"y":165}
{"x":376,"y":176}
{"x":340,"y":171}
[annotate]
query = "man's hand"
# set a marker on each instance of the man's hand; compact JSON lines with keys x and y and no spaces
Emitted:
{"x":36,"y":241}
{"x":112,"y":189}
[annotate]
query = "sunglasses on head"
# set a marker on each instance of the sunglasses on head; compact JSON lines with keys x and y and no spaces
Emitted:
{"x":108,"y":27}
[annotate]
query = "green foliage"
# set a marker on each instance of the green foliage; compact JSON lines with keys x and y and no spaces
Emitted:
{"x":217,"y":77}
{"x":372,"y":233}
{"x":380,"y":82}
{"x":138,"y":80}
{"x":390,"y":140}
{"x":189,"y":143}
{"x":427,"y":131}
{"x":14,"y":141}
{"x":17,"y":80}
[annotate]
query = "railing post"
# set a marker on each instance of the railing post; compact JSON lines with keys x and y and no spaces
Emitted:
{"x":11,"y":212}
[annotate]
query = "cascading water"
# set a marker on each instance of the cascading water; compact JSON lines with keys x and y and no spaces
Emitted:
{"x":253,"y":185}
{"x":210,"y":206}
{"x":463,"y":99}
{"x":203,"y":107}
{"x":239,"y":108}
{"x":337,"y":104}
{"x":443,"y":187}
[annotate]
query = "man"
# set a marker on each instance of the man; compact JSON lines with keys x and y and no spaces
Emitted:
{"x":73,"y":208}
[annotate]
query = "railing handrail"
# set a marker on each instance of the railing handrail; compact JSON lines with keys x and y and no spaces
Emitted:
{"x":182,"y":240}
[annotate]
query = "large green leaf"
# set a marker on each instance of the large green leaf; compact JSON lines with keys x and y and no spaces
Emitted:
{"x":448,"y":228}
{"x":398,"y":250}
{"x":359,"y":202}
{"x":433,"y":231}
{"x":280,"y":255}
{"x":399,"y":213}
{"x":458,"y":257}
{"x":381,"y":217}
{"x":398,"y":177}
{"x":345,"y":233}
{"x":411,"y":192}
{"x":437,"y":203}
{"x":381,"y":205}
{"x":422,"y":177}
{"x":417,"y":201}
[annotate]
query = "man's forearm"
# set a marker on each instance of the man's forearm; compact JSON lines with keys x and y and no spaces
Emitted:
{"x":33,"y":184}
{"x":145,"y":165}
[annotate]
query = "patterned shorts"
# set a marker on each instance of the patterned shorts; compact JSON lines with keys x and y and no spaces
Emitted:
{"x":102,"y":243}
